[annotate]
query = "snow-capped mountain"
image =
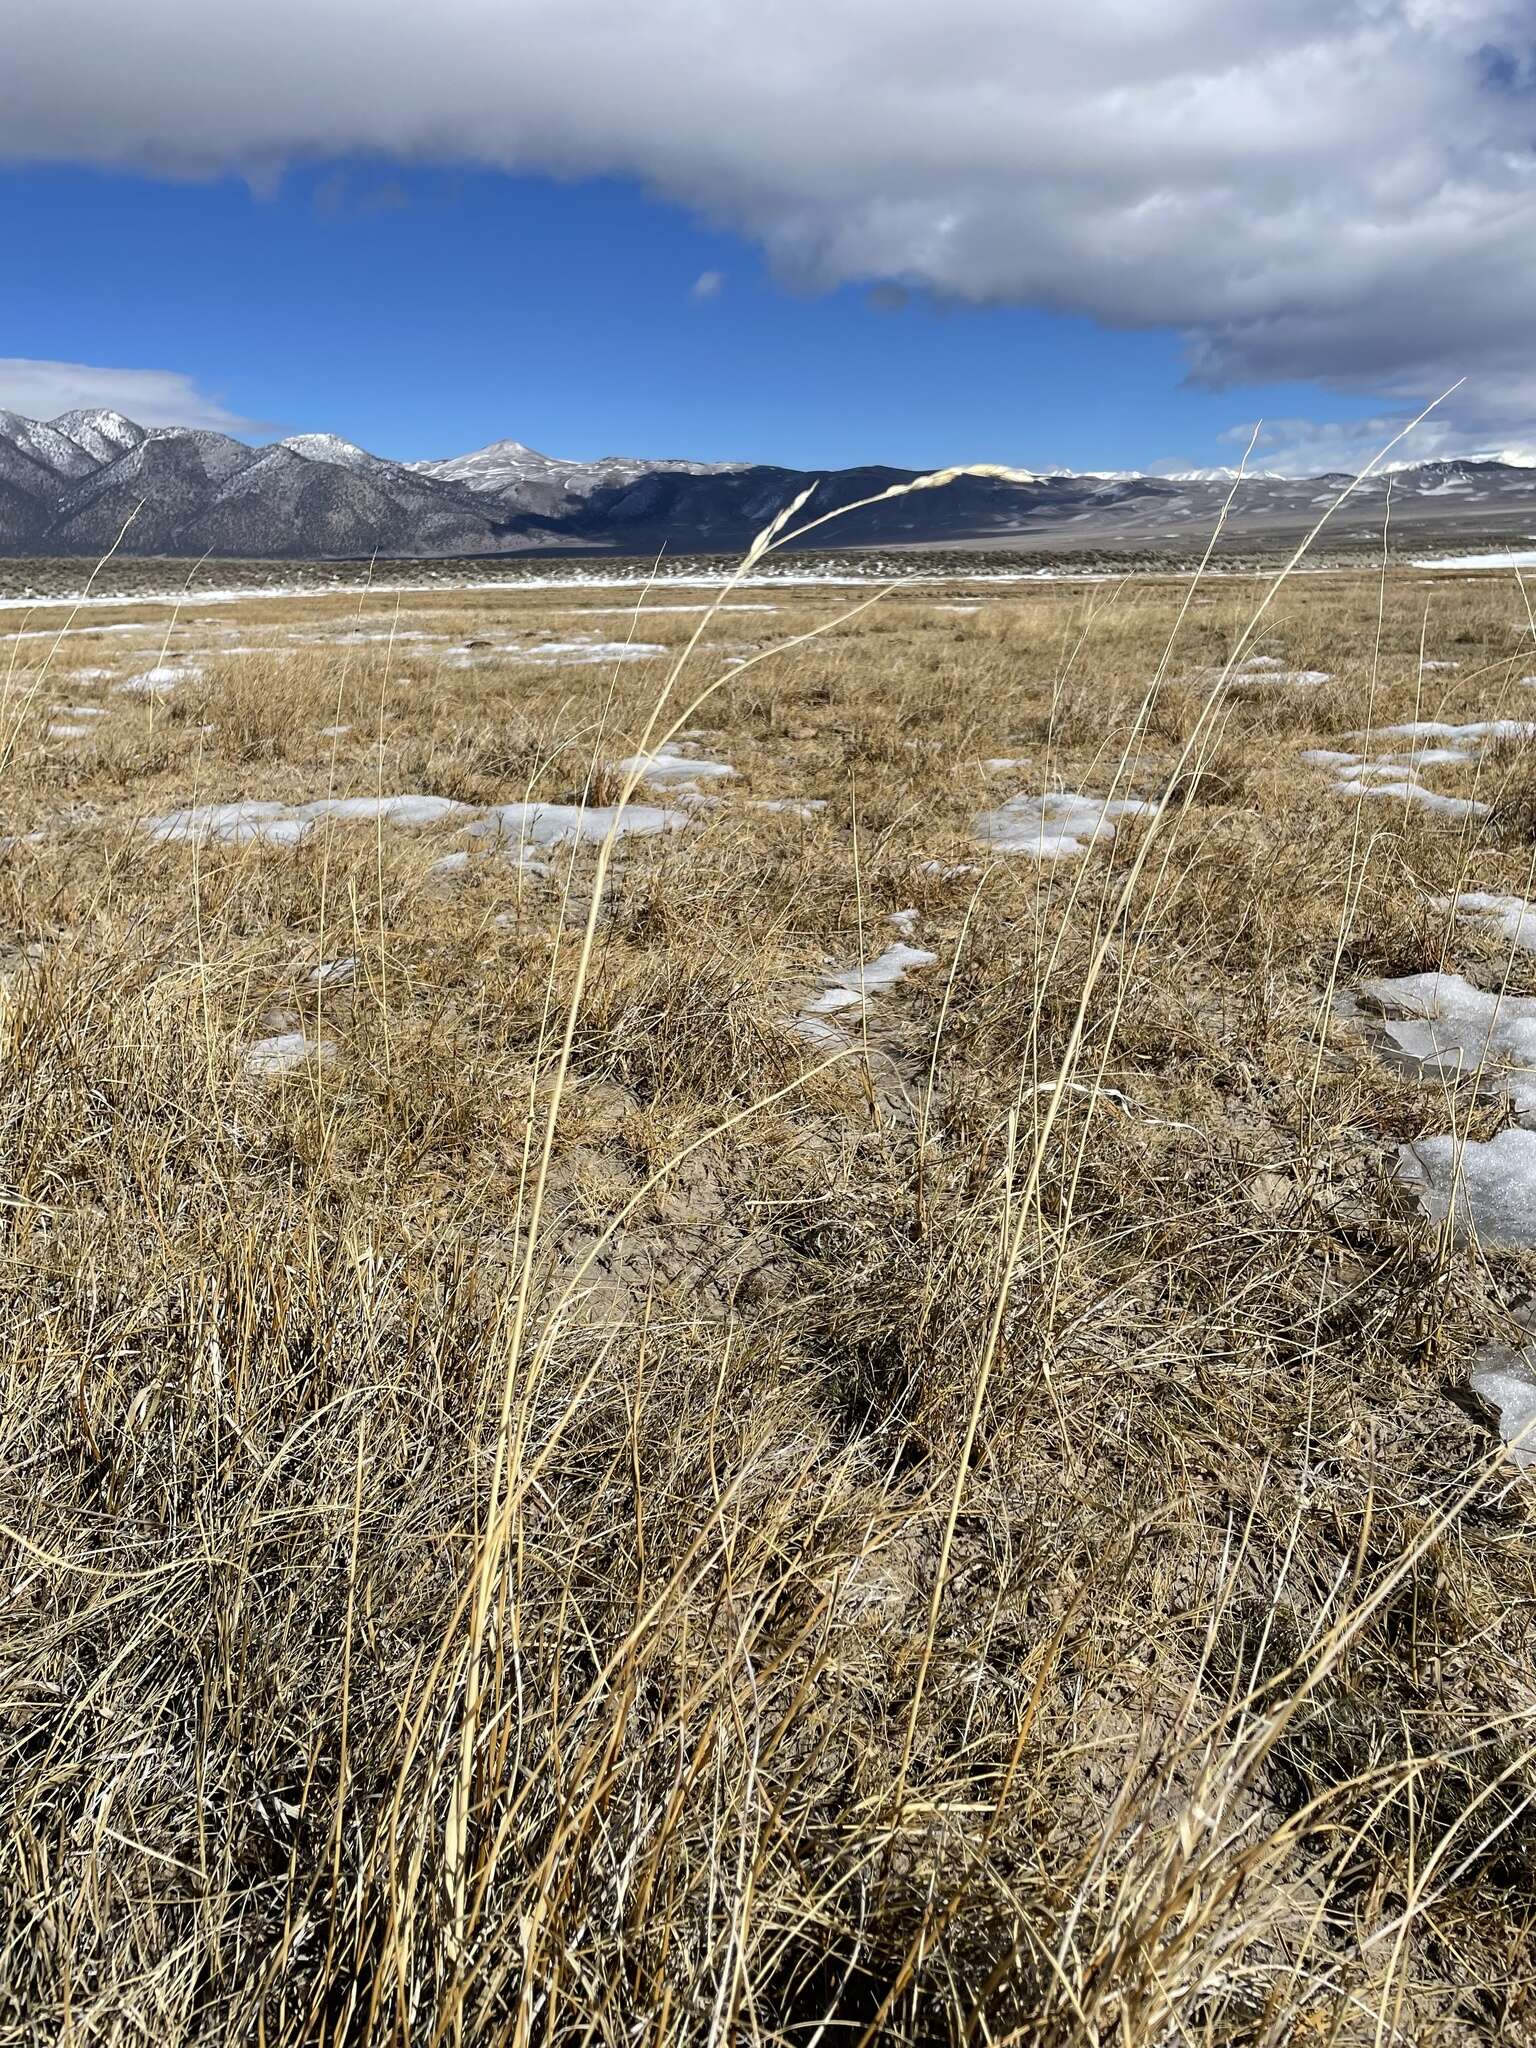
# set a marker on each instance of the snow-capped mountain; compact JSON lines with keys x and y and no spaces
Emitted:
{"x":76,"y":484}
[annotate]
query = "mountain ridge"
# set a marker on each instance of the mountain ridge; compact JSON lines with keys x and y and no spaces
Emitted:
{"x":85,"y":480}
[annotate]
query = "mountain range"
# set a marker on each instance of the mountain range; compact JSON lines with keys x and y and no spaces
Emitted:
{"x":72,"y":485}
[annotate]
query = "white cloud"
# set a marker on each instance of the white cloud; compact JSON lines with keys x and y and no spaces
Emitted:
{"x":155,"y":398}
{"x":709,"y":284}
{"x":1340,"y":190}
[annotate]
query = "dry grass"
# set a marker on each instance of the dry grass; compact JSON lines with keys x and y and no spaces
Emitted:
{"x":592,"y":1517}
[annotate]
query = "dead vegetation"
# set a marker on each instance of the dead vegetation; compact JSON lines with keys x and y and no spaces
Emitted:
{"x":586,"y":1514}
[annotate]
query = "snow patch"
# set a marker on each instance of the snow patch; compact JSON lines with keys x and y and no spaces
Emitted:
{"x":1055,"y":826}
{"x":280,"y":824}
{"x":663,"y":770}
{"x":1512,"y":914}
{"x":1507,"y":1385}
{"x":849,"y":988}
{"x":794,"y":806}
{"x":270,"y":1057}
{"x":1518,"y":558}
{"x":1451,"y":1028}
{"x":546,"y":825}
{"x":1490,"y":1188}
{"x":154,"y":682}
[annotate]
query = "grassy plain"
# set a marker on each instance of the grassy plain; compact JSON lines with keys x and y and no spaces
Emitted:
{"x":584,"y":1511}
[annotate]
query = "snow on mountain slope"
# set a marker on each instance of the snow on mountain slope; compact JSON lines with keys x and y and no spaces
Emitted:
{"x":47,"y":445}
{"x":103,"y":434}
{"x":503,"y":465}
{"x":74,"y":484}
{"x":331,"y":448}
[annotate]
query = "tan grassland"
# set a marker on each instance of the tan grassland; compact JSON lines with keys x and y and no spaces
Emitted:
{"x":586,"y":1512}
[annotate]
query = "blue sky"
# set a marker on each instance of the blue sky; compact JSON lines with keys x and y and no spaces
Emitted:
{"x":1115,"y":232}
{"x":423,"y":313}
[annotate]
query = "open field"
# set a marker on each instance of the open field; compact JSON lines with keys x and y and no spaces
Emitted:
{"x":831,"y":1414}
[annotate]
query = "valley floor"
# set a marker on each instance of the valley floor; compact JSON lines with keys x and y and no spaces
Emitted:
{"x":770,"y":1313}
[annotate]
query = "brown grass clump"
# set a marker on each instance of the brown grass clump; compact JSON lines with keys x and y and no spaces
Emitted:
{"x":578,"y":1511}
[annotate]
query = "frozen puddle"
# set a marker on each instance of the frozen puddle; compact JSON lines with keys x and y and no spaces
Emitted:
{"x":1055,"y":826}
{"x":1487,"y":1188}
{"x":1451,"y":1028}
{"x":849,"y":989}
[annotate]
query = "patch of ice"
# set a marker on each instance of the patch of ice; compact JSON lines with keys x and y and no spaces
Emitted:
{"x":334,"y":732}
{"x":629,"y":611}
{"x":796,"y":806}
{"x":69,"y":732}
{"x":1354,"y":766}
{"x":664,"y":769}
{"x":235,"y":823}
{"x":1490,"y":1187}
{"x":1004,"y":764}
{"x":1519,"y":558}
{"x":1512,"y":914}
{"x":1507,"y":1385}
{"x":76,"y":632}
{"x":1395,"y":775}
{"x":393,"y":810}
{"x":513,"y":856}
{"x":849,"y":988}
{"x":1415,"y":793}
{"x":1435,"y":757}
{"x":269,"y":1057}
{"x":1479,"y":731}
{"x":280,"y":824}
{"x":154,"y":682}
{"x":905,"y":922}
{"x":1453,"y":1028}
{"x":540,"y":824}
{"x":1054,"y":826}
{"x":575,"y":653}
{"x":1270,"y":669}
{"x":333,"y":973}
